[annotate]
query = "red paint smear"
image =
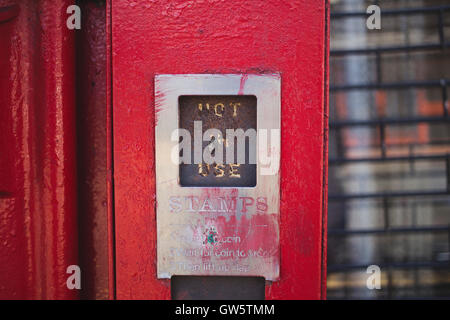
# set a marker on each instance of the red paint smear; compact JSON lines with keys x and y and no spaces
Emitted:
{"x":159,"y":96}
{"x":258,"y":234}
{"x":242,"y":84}
{"x":258,"y":231}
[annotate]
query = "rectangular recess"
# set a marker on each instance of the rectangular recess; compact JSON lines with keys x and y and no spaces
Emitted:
{"x":221,"y":113}
{"x":207,"y":288}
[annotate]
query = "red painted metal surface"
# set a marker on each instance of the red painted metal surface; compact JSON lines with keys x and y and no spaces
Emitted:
{"x":53,"y":151}
{"x":109,"y":159}
{"x":221,"y":37}
{"x":92,"y":151}
{"x":325,"y":151}
{"x":38,"y":221}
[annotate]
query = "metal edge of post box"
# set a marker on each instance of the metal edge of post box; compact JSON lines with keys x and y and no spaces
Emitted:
{"x":248,"y":41}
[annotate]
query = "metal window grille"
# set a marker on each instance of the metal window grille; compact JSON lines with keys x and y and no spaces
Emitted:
{"x":389,"y":184}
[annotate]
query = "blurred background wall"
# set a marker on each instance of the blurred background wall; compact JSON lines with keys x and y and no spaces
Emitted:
{"x":389,"y":193}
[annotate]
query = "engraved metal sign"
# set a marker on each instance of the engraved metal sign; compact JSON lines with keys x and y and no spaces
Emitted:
{"x":217,"y":175}
{"x":221,"y":113}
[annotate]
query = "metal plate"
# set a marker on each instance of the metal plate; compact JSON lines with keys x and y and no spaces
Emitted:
{"x":221,"y":229}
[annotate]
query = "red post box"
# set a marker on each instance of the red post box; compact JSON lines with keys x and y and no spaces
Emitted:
{"x":169,"y":57}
